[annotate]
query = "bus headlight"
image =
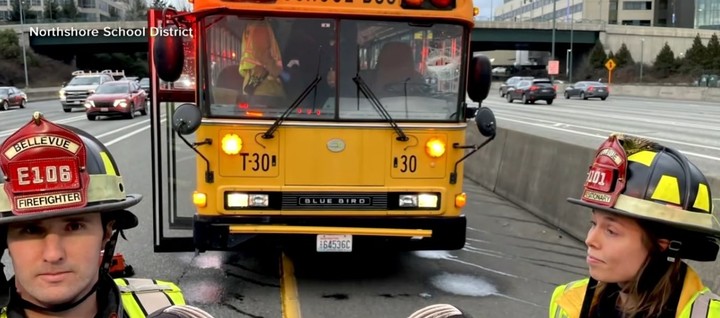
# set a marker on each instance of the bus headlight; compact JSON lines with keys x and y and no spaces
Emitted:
{"x":244,"y":200}
{"x":435,"y":147}
{"x":231,"y":144}
{"x":418,"y":201}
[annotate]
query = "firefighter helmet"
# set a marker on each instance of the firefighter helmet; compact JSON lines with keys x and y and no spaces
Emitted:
{"x":658,"y":185}
{"x":49,"y":170}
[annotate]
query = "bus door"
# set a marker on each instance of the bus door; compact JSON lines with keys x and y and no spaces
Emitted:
{"x":173,"y":162}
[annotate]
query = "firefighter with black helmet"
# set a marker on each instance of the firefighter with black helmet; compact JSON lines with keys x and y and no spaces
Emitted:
{"x":651,"y":209}
{"x":62,"y":203}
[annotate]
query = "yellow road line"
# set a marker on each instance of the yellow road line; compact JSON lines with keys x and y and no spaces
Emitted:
{"x":288,"y":289}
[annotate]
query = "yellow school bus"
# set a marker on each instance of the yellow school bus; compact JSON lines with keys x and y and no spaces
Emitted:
{"x":338,"y":125}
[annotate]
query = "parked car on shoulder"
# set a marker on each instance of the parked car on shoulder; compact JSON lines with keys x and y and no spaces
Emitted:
{"x":12,"y":96}
{"x":117,"y":98}
{"x":587,"y":89}
{"x":533,"y":90}
{"x":511,"y":82}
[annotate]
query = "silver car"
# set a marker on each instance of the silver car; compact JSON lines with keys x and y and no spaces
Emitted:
{"x":587,"y":89}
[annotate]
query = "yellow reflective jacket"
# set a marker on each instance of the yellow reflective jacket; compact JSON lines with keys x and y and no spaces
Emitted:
{"x":139,"y":297}
{"x":696,"y":300}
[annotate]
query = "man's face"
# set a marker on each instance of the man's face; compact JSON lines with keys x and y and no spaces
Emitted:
{"x":56,"y":260}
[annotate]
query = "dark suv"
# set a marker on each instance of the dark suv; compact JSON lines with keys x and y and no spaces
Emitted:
{"x":511,"y":82}
{"x":530,"y":91}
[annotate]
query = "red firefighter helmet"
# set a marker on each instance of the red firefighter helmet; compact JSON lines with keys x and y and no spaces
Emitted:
{"x":49,"y":170}
{"x":658,"y":185}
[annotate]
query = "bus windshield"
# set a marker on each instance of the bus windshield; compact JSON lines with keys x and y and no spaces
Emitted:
{"x":258,"y":67}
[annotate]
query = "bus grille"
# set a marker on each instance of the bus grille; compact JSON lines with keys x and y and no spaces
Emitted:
{"x":334,"y":201}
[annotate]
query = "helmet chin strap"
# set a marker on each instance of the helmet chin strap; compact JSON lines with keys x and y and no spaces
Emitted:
{"x":104,"y":271}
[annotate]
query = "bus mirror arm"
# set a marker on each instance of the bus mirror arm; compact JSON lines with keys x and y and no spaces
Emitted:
{"x":209,"y":175}
{"x":453,"y":175}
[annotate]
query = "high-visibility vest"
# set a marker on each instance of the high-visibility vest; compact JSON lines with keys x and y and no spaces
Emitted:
{"x":141,"y":297}
{"x":696,"y":300}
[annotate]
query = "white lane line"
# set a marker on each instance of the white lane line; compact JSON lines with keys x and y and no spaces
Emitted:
{"x":128,"y":135}
{"x":605,"y":137}
{"x":122,"y":128}
{"x":60,"y":121}
{"x":689,"y":144}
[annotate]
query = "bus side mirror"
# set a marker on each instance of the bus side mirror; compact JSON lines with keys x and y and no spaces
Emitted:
{"x":480,"y":78}
{"x":485,"y":120}
{"x":169,"y":55}
{"x":186,"y":119}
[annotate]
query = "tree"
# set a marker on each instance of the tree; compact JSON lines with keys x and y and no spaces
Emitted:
{"x":159,"y":4}
{"x":69,"y":9}
{"x":623,"y":56}
{"x":113,"y":13}
{"x":697,"y":53}
{"x":665,"y":61}
{"x":138,"y":11}
{"x":9,"y":45}
{"x":598,"y":56}
{"x":52,"y":10}
{"x":26,"y":13}
{"x":611,"y":56}
{"x":712,"y":63}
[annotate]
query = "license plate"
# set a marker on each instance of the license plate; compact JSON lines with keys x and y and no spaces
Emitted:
{"x":601,"y":90}
{"x":104,"y":109}
{"x":334,"y":243}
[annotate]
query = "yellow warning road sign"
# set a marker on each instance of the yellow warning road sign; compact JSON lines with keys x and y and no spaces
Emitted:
{"x":610,"y":65}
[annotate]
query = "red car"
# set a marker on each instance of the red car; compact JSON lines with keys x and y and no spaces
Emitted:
{"x":11,"y":96}
{"x":116,"y":98}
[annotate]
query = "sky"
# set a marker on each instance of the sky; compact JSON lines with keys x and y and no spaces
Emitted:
{"x":485,"y":6}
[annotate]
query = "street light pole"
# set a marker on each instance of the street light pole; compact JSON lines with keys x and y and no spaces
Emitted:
{"x":552,"y":53}
{"x":22,"y":38}
{"x":572,"y":29}
{"x":642,"y":49}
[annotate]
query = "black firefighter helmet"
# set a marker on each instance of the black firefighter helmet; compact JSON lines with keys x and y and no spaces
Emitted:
{"x":659,"y":186}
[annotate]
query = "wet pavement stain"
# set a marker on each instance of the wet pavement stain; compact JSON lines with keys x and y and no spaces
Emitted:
{"x":337,"y":296}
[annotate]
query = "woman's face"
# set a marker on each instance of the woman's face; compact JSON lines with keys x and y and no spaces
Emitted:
{"x":617,"y":247}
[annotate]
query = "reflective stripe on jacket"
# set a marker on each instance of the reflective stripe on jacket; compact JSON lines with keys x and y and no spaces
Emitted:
{"x":141,"y":297}
{"x":696,"y":300}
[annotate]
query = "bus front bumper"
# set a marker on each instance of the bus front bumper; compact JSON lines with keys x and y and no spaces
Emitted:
{"x":397,"y":233}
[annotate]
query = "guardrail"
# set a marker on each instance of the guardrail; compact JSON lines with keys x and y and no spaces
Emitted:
{"x":692,"y":93}
{"x":539,"y":174}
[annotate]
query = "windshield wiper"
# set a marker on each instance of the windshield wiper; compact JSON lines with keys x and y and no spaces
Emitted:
{"x":269,"y":133}
{"x":379,"y":107}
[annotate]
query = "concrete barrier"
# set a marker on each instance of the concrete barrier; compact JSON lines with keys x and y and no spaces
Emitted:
{"x":41,"y":94}
{"x":709,"y":94}
{"x":539,"y":174}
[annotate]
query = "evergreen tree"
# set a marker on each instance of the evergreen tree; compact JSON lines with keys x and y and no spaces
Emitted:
{"x":69,"y":10}
{"x":26,"y":13}
{"x":598,"y":56}
{"x":697,"y":53}
{"x":623,"y":56}
{"x":52,"y":10}
{"x":665,"y":61}
{"x":138,"y":11}
{"x":713,"y":54}
{"x":159,"y":4}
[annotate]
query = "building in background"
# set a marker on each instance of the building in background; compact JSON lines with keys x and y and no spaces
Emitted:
{"x":657,"y":13}
{"x":88,"y":10}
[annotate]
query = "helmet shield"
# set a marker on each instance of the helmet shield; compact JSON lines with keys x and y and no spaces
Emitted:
{"x":50,"y":171}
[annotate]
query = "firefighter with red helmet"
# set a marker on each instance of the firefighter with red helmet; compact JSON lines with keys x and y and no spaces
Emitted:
{"x":62,"y":203}
{"x":651,"y":209}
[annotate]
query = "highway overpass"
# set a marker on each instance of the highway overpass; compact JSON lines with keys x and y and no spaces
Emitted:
{"x":487,"y":36}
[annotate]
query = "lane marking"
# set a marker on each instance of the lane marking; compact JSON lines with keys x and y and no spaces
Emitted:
{"x":59,"y":121}
{"x":605,"y":137}
{"x":289,"y":297}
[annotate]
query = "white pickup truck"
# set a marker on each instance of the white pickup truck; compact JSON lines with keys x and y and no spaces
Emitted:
{"x":74,"y":93}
